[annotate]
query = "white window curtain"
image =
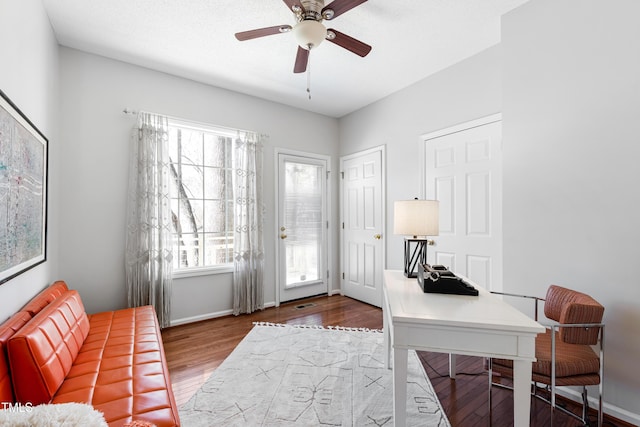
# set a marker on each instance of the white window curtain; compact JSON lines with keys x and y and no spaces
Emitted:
{"x":248,"y":292}
{"x":148,"y":255}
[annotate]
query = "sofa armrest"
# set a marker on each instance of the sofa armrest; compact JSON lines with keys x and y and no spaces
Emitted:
{"x":42,"y":352}
{"x":7,"y":330}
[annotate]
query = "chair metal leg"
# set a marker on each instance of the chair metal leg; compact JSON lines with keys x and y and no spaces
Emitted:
{"x":585,"y":406}
{"x":601,"y":384}
{"x":553,"y":373}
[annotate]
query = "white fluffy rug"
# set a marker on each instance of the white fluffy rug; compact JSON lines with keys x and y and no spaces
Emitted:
{"x":309,"y":376}
{"x":58,"y":415}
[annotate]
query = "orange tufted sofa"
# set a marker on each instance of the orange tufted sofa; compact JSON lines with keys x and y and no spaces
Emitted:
{"x":52,"y":351}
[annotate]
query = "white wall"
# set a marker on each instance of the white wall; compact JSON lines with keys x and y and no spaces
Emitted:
{"x":29,"y":77}
{"x":469,"y":90}
{"x":95,"y":160}
{"x":571,"y":149}
{"x":566,"y":78}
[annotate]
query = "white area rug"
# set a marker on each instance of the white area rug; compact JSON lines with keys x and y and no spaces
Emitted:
{"x":309,"y":376}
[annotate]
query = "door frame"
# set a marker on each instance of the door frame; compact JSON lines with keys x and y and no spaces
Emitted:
{"x":383,"y":199}
{"x":328,"y":240}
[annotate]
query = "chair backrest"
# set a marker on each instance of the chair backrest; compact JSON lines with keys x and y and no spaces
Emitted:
{"x":568,"y":306}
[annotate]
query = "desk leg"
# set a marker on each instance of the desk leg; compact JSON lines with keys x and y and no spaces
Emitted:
{"x":386,"y":344}
{"x":521,"y":392}
{"x":452,"y":366}
{"x":400,"y":360}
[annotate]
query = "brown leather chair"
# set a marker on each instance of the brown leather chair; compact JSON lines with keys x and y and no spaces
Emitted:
{"x":564,"y":353}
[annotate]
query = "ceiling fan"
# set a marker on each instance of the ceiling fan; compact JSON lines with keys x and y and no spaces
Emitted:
{"x":310,"y":32}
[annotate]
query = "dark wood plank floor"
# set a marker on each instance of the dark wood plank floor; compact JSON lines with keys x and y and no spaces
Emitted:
{"x":194,"y":351}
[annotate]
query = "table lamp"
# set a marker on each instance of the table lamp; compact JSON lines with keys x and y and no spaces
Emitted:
{"x":417,"y":219}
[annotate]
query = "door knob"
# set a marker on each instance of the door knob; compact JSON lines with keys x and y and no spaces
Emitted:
{"x":282,"y":228}
{"x":377,"y":236}
{"x":283,"y":236}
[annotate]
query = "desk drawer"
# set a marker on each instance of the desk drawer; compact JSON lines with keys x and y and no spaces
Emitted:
{"x":471,"y":342}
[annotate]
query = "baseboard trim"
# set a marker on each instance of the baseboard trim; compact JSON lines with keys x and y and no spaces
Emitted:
{"x":609,"y":409}
{"x":207,"y":316}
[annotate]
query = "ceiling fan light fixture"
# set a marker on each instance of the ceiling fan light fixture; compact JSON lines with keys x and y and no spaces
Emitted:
{"x":309,"y":34}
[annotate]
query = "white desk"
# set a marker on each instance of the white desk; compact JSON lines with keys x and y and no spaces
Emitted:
{"x":478,"y":326}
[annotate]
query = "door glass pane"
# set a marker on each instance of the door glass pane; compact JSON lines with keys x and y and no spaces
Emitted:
{"x":303,"y":222}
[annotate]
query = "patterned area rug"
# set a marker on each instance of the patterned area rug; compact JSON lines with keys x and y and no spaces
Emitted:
{"x":283,"y":375}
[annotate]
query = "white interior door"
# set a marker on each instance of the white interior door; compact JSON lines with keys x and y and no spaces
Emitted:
{"x":464,"y":172}
{"x":302,"y":226}
{"x":363,"y":225}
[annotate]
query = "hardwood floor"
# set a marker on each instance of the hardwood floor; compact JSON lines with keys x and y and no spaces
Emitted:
{"x":194,"y":351}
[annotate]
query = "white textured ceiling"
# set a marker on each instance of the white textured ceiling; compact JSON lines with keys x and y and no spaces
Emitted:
{"x":411,"y":39}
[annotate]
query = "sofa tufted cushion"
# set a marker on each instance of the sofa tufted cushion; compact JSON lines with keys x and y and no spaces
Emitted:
{"x":7,"y":330}
{"x":121,"y":370}
{"x":13,"y":324}
{"x":42,"y":352}
{"x":45,"y":297}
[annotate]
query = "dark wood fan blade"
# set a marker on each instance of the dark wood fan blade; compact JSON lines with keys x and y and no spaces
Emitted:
{"x":341,"y":6}
{"x":261,"y":32}
{"x":302,"y":57}
{"x":348,"y":42}
{"x":291,"y":3}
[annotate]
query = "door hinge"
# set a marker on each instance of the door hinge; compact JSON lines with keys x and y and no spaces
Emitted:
{"x":343,"y":225}
{"x":327,"y":274}
{"x":342,"y":276}
{"x":327,"y":224}
{"x":328,"y":172}
{"x":342,"y":175}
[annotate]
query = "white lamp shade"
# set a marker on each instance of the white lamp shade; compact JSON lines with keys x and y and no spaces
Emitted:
{"x":309,"y":33}
{"x":416,"y":217}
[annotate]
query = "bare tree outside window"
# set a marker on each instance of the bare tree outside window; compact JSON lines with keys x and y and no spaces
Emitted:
{"x":201,"y":196}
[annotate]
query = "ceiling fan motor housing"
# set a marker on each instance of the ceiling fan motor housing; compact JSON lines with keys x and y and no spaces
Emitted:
{"x":312,"y":10}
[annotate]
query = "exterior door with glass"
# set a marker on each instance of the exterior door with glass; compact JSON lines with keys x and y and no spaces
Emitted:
{"x":302,"y":226}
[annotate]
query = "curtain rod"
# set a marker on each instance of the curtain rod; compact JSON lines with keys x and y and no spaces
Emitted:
{"x":129,"y":111}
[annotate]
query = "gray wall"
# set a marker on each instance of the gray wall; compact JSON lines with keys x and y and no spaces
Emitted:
{"x":566,"y":79}
{"x":469,"y":90}
{"x":94,"y":171}
{"x":29,"y":77}
{"x":571,"y":149}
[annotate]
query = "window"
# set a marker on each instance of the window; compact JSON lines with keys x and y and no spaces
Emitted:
{"x":201,"y":196}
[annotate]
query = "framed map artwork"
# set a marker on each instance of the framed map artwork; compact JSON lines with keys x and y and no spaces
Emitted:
{"x":23,"y":192}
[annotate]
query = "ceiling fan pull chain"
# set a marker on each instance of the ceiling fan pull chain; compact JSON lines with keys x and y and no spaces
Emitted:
{"x":309,"y":74}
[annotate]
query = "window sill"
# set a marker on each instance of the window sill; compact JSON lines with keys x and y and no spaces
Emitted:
{"x":204,"y":271}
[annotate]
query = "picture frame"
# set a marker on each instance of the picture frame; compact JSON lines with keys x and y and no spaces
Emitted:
{"x":23,"y":192}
